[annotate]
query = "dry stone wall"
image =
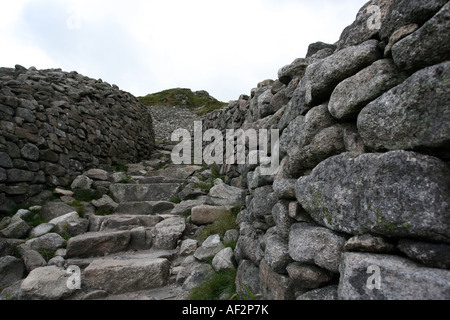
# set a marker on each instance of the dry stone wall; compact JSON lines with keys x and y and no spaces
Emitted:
{"x":55,"y":125}
{"x":364,"y":181}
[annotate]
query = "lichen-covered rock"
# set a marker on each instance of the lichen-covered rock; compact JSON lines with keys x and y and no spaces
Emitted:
{"x":434,"y":255}
{"x":204,"y":214}
{"x":293,"y":70}
{"x":263,"y":201}
{"x":46,"y":283}
{"x":17,"y":229}
{"x":399,"y":279}
{"x":168,"y":232}
{"x":404,"y":12}
{"x":316,"y":245}
{"x":11,"y":270}
{"x":275,"y":286}
{"x":354,"y":93}
{"x":224,"y":260}
{"x":308,"y":276}
{"x":120,"y":276}
{"x":367,"y":24}
{"x":414,"y":115}
{"x":427,"y":46}
{"x":98,"y":244}
{"x":276,"y":253}
{"x":396,"y":194}
{"x":209,"y":248}
{"x":323,"y":76}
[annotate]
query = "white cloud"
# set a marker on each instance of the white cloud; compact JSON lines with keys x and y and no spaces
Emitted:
{"x":14,"y":50}
{"x":224,"y":47}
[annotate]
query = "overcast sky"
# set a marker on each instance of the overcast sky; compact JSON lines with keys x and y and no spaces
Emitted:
{"x":144,"y":46}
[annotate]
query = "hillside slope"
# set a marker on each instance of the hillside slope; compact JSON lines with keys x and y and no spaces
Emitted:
{"x":200,"y":102}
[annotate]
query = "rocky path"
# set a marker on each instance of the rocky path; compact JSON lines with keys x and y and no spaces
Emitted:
{"x":141,"y":240}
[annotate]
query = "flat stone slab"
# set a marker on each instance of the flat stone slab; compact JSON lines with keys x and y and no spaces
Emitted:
{"x":98,"y":244}
{"x":144,"y":192}
{"x":144,"y":207}
{"x":121,"y":276}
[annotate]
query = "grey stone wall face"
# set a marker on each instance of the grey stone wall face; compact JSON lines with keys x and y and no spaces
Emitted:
{"x":365,"y":146}
{"x":55,"y":125}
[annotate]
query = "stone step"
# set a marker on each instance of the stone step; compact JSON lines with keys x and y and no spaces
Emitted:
{"x":126,"y":222}
{"x":117,"y":276}
{"x":98,"y":244}
{"x":145,"y":192}
{"x":167,"y":293}
{"x":150,"y":254}
{"x":176,"y":172}
{"x":144,"y":208}
{"x":157,"y":179}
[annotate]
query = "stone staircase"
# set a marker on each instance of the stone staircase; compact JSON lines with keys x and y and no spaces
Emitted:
{"x":140,"y":241}
{"x":131,"y":251}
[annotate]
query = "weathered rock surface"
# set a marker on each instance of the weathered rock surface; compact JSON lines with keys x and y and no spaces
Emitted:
{"x":49,"y":242}
{"x":427,"y":46}
{"x":396,"y":279}
{"x":430,"y":254}
{"x":168,"y":232}
{"x":224,"y":260}
{"x":323,"y":76}
{"x":404,"y":12}
{"x":331,"y":213}
{"x":119,"y":276}
{"x":144,"y":192}
{"x":354,"y":93}
{"x":205,"y":214}
{"x":143,"y":207}
{"x":316,"y":245}
{"x":308,"y":276}
{"x":209,"y":248}
{"x":97,"y":244}
{"x":413,"y":116}
{"x":367,"y":24}
{"x":323,"y":294}
{"x":342,"y":193}
{"x":52,"y":210}
{"x":275,"y":286}
{"x":17,"y":229}
{"x":46,"y":283}
{"x":11,"y":270}
{"x":276,"y":253}
{"x":223,"y":194}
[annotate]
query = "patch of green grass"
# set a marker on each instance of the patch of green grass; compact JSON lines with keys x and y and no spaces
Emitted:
{"x":220,"y":283}
{"x":204,"y":186}
{"x":46,"y":254}
{"x":34,"y":219}
{"x":104,"y":211}
{"x":223,"y":223}
{"x":79,"y":207}
{"x":121,"y":168}
{"x":86,"y":195}
{"x":66,"y":235}
{"x":125,"y":181}
{"x":200,"y":101}
{"x":245,"y":294}
{"x":175,"y":200}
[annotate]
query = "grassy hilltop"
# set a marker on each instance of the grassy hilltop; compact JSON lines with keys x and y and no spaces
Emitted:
{"x":200,"y":101}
